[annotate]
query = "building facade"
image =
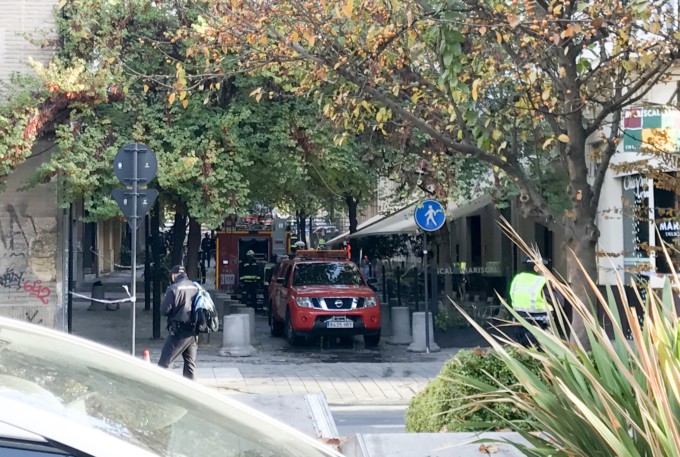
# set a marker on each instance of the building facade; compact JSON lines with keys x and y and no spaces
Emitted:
{"x":32,"y":248}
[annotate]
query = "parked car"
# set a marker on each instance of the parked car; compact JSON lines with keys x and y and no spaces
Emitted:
{"x":321,"y":293}
{"x":63,"y":395}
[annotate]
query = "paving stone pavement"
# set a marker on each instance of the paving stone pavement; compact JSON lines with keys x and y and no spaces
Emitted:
{"x":346,"y":373}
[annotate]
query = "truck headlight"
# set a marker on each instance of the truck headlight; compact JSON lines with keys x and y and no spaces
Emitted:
{"x":304,"y":302}
{"x":370,"y":302}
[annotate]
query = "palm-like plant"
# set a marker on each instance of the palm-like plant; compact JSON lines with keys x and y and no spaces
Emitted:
{"x":619,"y":398}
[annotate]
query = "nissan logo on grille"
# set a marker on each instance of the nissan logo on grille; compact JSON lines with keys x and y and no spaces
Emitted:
{"x":338,"y":303}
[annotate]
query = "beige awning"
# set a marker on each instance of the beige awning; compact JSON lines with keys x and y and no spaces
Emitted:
{"x":344,"y":236}
{"x":403,"y":222}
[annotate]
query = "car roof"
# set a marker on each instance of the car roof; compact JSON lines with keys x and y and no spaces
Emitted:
{"x":148,"y":395}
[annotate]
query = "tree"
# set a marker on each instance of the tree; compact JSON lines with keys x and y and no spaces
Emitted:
{"x":501,"y":82}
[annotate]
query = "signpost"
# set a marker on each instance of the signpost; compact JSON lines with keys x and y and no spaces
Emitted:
{"x":430,"y":217}
{"x":134,"y":165}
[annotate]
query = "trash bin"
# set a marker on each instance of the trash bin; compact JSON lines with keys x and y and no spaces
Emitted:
{"x":97,"y":293}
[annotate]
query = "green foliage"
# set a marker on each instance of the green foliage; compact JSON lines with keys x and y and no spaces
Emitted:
{"x":445,"y":404}
{"x":17,"y":117}
{"x":618,"y":398}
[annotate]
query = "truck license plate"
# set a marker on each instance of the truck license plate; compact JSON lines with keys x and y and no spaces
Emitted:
{"x":339,"y":324}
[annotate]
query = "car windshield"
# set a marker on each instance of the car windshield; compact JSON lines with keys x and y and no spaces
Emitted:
{"x":327,"y":274}
{"x":141,"y":404}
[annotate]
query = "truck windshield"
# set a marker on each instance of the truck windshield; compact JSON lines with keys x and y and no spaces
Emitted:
{"x":327,"y":274}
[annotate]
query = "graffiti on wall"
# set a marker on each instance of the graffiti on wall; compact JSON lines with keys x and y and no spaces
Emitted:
{"x":27,"y":257}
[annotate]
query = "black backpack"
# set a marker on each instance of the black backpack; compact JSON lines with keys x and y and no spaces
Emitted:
{"x":204,"y":318}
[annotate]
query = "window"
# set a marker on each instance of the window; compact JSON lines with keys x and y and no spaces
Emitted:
{"x":327,"y":274}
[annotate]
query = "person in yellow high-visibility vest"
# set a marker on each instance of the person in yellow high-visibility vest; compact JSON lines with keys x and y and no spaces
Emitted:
{"x":531,"y":299}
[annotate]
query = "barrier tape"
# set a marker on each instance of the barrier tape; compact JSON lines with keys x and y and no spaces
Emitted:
{"x":98,"y":300}
{"x":129,"y":298}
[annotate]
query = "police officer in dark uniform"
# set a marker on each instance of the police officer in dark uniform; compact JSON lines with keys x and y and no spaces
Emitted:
{"x":182,"y":338}
{"x":249,"y":277}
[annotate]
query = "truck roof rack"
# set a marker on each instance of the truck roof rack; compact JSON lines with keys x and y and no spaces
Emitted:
{"x":310,"y":254}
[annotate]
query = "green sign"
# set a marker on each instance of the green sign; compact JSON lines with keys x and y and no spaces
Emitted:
{"x":651,"y":129}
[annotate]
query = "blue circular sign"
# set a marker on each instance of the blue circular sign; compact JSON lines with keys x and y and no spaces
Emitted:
{"x":430,"y":215}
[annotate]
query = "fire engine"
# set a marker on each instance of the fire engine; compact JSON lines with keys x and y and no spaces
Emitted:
{"x":231,"y":248}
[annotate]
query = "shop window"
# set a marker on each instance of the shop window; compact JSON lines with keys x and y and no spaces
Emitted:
{"x":668,"y":226}
{"x":635,"y":207}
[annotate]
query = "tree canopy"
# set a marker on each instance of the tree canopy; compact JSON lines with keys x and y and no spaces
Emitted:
{"x":509,"y":84}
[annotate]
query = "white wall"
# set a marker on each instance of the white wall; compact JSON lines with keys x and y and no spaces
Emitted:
{"x":18,"y":18}
{"x":610,"y":219}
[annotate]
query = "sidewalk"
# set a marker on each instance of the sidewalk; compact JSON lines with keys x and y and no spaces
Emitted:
{"x":347,"y":375}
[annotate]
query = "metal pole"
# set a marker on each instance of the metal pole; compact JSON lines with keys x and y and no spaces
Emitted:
{"x":427,"y":302}
{"x":147,"y":264}
{"x":69,"y":299}
{"x":133,"y":260}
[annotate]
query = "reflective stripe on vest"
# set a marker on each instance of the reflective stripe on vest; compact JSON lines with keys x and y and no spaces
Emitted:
{"x":526,"y":293}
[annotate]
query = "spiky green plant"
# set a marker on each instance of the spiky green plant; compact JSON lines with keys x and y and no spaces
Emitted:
{"x":619,"y":398}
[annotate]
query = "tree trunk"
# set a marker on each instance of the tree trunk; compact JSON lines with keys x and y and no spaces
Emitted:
{"x":178,"y":232}
{"x":581,"y":248}
{"x":352,"y":205}
{"x":193,"y":244}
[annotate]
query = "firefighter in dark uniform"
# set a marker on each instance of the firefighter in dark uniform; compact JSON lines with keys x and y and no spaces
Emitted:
{"x":250,"y":278}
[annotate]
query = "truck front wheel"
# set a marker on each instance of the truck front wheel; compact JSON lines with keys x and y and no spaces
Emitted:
{"x":372,"y":341}
{"x":291,"y":337}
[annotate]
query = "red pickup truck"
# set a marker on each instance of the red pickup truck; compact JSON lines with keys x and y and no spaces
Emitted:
{"x":321,"y":293}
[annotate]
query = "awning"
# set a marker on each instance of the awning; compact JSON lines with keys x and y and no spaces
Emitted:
{"x":340,"y":238}
{"x":402,"y":222}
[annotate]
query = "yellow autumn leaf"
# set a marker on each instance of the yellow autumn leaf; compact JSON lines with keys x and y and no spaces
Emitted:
{"x":146,"y":88}
{"x":185,"y":103}
{"x":111,"y":59}
{"x":310,"y":37}
{"x":348,"y":8}
{"x":496,"y":135}
{"x":294,"y":37}
{"x":183,"y":95}
{"x":475,"y":88}
{"x":499,"y":37}
{"x":545,"y":95}
{"x":171,"y":98}
{"x":563,"y":138}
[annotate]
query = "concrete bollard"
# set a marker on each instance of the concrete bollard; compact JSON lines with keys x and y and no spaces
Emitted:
{"x":401,"y":326}
{"x":226,"y":304}
{"x":385,"y":320}
{"x":234,"y":308}
{"x":98,"y":293}
{"x":236,"y":337}
{"x":418,"y":344}
{"x":251,"y":320}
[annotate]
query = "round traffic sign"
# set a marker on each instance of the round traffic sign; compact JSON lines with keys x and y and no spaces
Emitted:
{"x":430,"y":215}
{"x":123,"y":164}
